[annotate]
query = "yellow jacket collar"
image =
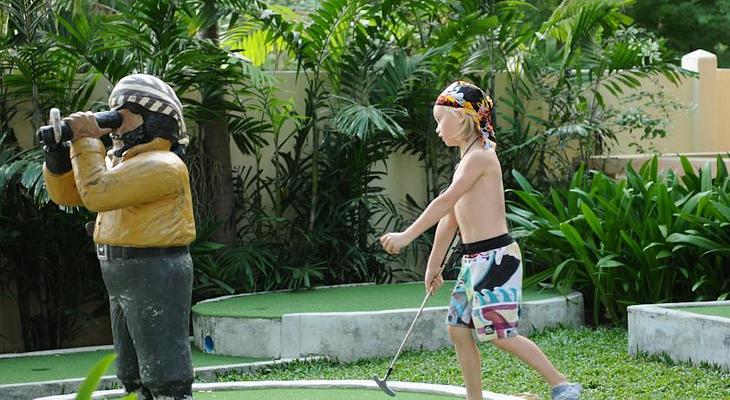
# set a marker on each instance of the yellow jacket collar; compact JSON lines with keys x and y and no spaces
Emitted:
{"x":155,"y":144}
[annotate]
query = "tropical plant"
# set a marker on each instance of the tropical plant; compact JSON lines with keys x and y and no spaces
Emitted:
{"x":647,"y":238}
{"x":687,"y":25}
{"x":553,"y":115}
{"x":48,"y":263}
{"x":367,"y":77}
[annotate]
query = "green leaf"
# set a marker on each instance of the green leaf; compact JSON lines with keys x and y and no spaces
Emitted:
{"x":593,"y":221}
{"x":559,"y":269}
{"x":699,"y":241}
{"x":531,"y":201}
{"x":723,"y":209}
{"x":93,"y":378}
{"x":706,"y":175}
{"x":698,"y":284}
{"x":664,"y":254}
{"x":522,"y":181}
{"x":609,"y":262}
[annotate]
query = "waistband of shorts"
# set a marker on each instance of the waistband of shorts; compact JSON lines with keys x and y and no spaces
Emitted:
{"x":487,"y":245}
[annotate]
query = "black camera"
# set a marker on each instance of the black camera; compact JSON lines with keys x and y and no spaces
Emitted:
{"x":59,"y":131}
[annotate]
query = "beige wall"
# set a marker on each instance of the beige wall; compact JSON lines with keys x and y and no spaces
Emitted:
{"x":708,"y":131}
{"x":700,"y":131}
{"x":679,"y":136}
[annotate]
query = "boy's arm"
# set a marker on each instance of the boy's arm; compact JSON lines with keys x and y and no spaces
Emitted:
{"x":445,"y":231}
{"x":471,"y":169}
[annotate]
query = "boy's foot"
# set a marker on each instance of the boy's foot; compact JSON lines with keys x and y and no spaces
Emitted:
{"x":566,"y":391}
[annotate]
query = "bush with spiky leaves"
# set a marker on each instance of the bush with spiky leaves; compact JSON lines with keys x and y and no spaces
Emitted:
{"x":647,"y":238}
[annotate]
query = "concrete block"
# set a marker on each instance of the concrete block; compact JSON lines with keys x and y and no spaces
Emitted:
{"x":250,"y":337}
{"x":355,"y":335}
{"x":350,"y":336}
{"x":682,"y":335}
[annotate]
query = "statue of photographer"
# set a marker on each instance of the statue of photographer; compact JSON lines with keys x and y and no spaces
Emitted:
{"x":141,"y":192}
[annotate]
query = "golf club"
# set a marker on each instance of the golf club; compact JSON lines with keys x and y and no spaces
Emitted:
{"x":383,"y":383}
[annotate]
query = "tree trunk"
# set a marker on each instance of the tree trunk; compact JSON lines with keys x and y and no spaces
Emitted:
{"x":216,"y":144}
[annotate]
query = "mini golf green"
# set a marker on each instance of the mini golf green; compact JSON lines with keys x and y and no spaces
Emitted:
{"x":77,"y":365}
{"x":313,"y":394}
{"x":339,"y":299}
{"x":718,"y":311}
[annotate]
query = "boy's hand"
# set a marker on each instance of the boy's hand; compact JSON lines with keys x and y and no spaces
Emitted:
{"x":433,"y":281}
{"x":394,"y":241}
{"x":83,"y":124}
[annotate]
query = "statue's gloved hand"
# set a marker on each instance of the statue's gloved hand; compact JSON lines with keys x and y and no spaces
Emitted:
{"x":58,"y":158}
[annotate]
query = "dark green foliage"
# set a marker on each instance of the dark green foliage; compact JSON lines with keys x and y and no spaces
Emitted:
{"x":47,"y":260}
{"x":647,"y":238}
{"x":687,"y":25}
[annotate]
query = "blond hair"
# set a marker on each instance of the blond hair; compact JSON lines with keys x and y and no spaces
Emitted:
{"x":468,"y":126}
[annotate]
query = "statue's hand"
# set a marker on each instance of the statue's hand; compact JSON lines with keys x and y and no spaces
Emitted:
{"x":83,"y":124}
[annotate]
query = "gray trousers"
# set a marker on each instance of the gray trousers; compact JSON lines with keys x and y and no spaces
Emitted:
{"x":149,"y":299}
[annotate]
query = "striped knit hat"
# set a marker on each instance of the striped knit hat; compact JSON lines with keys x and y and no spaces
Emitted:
{"x":154,"y":95}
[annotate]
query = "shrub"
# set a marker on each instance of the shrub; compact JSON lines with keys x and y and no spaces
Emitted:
{"x":647,"y":238}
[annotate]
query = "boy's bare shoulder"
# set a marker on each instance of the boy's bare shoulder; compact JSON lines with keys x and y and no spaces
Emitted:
{"x":483,"y":159}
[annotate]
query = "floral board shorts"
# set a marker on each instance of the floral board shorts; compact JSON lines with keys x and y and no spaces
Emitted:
{"x":487,"y":293}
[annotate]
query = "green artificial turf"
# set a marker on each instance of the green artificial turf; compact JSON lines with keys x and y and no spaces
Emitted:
{"x":598,"y":359}
{"x":313,"y":394}
{"x":343,"y":299}
{"x":718,"y":311}
{"x":77,"y":365}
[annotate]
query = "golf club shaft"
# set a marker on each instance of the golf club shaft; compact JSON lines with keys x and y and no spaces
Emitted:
{"x":420,"y":309}
{"x":408,"y":333}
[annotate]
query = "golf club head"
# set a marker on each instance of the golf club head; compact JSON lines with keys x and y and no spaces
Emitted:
{"x":383,"y":385}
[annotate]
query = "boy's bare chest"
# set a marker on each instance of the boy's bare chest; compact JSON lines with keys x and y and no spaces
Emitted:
{"x":481,"y":208}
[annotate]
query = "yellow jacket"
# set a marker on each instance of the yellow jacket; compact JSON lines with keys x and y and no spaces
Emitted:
{"x":142,"y":199}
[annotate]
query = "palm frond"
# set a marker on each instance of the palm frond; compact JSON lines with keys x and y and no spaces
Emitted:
{"x":364,"y":121}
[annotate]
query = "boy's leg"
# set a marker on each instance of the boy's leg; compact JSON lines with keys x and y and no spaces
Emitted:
{"x":469,"y":360}
{"x":527,"y":351}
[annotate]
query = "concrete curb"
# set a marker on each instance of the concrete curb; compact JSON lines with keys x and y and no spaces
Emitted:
{"x":30,"y":390}
{"x":70,"y":350}
{"x":350,"y":336}
{"x":425,"y":388}
{"x":682,"y":335}
{"x":234,"y":296}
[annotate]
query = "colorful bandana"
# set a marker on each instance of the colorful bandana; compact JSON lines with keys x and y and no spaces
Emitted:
{"x":475,"y":103}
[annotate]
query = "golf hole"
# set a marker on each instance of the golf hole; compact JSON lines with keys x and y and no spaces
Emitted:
{"x":208,"y":345}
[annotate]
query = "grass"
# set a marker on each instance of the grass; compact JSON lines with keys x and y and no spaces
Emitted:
{"x":77,"y":365}
{"x":598,"y":359}
{"x":313,"y":394}
{"x":354,"y":298}
{"x":718,"y":311}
